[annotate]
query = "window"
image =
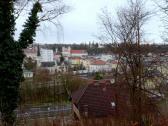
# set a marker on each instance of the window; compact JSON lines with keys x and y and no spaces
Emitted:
{"x":86,"y":110}
{"x":113,"y":104}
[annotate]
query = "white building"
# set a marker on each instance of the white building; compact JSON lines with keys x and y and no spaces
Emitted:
{"x":99,"y":65}
{"x":46,"y":55}
{"x":106,"y":57}
{"x":66,"y":51}
{"x":27,"y":74}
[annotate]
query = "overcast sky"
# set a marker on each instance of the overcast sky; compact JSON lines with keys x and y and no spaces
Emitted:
{"x":81,"y":24}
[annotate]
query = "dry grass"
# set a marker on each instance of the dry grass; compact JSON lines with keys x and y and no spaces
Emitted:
{"x":62,"y":121}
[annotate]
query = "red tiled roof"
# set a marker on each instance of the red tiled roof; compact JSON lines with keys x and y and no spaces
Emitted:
{"x":78,"y":51}
{"x":114,"y":62}
{"x":75,"y":58}
{"x":97,"y":98}
{"x":98,"y":62}
{"x":77,"y":95}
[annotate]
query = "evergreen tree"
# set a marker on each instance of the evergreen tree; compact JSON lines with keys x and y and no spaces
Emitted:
{"x":98,"y":76}
{"x":11,"y":57}
{"x":62,"y":59}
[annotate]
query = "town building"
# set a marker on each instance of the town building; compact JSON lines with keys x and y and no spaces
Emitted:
{"x":75,"y":60}
{"x":46,"y":55}
{"x":31,"y":52}
{"x":66,"y":51}
{"x":114,"y":64}
{"x":50,"y":66}
{"x":97,"y":65}
{"x":106,"y":57}
{"x":78,"y":53}
{"x":27,"y":74}
{"x":62,"y":68}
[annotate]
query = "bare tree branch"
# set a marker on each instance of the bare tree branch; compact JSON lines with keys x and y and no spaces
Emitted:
{"x":51,"y":9}
{"x":163,"y":8}
{"x":127,"y":34}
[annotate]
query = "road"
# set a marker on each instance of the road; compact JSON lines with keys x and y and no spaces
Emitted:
{"x":43,"y":111}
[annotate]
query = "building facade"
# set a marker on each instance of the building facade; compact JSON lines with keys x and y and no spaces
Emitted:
{"x":79,"y":53}
{"x":46,"y":55}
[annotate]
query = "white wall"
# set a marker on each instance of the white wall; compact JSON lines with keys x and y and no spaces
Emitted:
{"x":97,"y":68}
{"x":28,"y":74}
{"x":79,"y":55}
{"x":66,"y":51}
{"x":46,"y":55}
{"x":107,"y":57}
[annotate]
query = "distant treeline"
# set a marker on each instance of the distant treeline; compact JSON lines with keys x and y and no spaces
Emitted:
{"x":94,"y":48}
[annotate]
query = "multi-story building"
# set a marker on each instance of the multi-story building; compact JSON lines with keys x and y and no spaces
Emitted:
{"x":99,"y":65}
{"x":106,"y":57}
{"x":66,"y":51}
{"x":75,"y":60}
{"x":46,"y":55}
{"x":79,"y":53}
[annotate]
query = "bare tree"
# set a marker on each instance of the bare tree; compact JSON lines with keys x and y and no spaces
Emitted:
{"x":126,"y":32}
{"x":162,"y":83}
{"x":52,"y":9}
{"x":163,"y":11}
